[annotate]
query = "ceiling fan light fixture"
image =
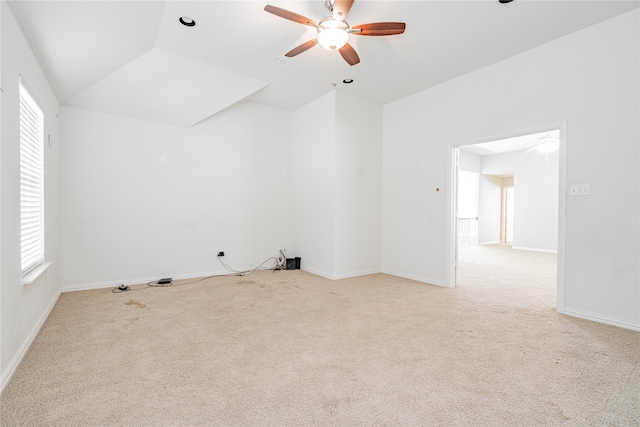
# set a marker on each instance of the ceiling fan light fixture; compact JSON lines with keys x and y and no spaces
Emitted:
{"x":332,"y":34}
{"x":548,"y":144}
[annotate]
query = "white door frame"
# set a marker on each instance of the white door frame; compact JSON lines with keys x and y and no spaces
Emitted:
{"x":451,"y":224}
{"x":503,"y":214}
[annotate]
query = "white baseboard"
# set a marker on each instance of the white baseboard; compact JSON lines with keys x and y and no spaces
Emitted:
{"x":426,"y":280}
{"x":130,"y":282}
{"x":634,"y":326}
{"x":497,"y":242}
{"x":15,"y":362}
{"x":340,"y":276}
{"x":332,"y":276}
{"x":318,"y":273}
{"x":355,"y":274}
{"x":522,"y":248}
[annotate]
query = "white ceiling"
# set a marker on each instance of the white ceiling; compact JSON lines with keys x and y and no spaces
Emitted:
{"x":133,"y":58}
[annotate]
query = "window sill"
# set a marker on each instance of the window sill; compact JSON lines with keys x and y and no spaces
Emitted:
{"x":33,"y":275}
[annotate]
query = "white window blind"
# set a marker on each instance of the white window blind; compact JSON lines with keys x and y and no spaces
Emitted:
{"x":31,"y":182}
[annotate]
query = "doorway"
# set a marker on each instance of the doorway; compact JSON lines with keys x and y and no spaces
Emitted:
{"x":467,"y":208}
{"x":521,"y":199}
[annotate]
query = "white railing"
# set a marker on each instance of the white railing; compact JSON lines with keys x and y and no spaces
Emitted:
{"x":467,"y":232}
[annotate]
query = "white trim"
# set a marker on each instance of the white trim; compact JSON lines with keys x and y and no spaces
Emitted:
{"x":422,"y":279}
{"x":489,"y":243}
{"x":15,"y":362}
{"x":144,"y":280}
{"x":33,"y":275}
{"x":356,"y":274}
{"x":451,"y":225}
{"x":522,"y":248}
{"x":368,"y":272}
{"x":318,"y":273}
{"x":634,"y":326}
{"x":340,"y":276}
{"x":562,"y":217}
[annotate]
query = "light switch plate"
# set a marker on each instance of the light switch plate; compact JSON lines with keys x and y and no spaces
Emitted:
{"x":580,"y":190}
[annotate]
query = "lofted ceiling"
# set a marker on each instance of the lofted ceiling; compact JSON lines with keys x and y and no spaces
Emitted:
{"x":134,"y":58}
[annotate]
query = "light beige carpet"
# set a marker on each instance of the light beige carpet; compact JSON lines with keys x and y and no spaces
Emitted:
{"x":289,"y":348}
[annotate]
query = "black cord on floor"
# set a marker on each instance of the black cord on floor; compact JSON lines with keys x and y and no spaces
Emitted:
{"x":122,"y":288}
{"x":259,"y":267}
{"x":154,"y":283}
{"x":159,"y":285}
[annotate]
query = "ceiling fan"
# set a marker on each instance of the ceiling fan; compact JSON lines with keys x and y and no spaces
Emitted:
{"x":334,"y":30}
{"x":548,"y":144}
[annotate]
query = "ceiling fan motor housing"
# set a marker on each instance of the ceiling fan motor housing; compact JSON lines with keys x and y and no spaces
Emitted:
{"x":329,"y":5}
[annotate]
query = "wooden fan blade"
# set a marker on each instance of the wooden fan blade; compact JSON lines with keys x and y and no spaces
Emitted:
{"x":283,"y":13}
{"x":302,"y":48}
{"x":349,"y":54}
{"x":341,"y":9}
{"x":380,"y":29}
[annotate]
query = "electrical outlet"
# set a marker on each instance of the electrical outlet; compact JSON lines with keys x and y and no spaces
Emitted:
{"x":221,"y":253}
{"x":580,"y":190}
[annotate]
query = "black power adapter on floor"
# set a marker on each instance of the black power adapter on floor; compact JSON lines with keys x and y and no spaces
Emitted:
{"x":164,"y":281}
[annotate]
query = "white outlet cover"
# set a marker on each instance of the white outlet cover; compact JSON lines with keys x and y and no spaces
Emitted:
{"x":580,"y":190}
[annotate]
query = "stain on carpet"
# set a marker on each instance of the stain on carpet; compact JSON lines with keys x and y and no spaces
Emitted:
{"x":136,"y":303}
{"x":131,"y":322}
{"x":558,"y":411}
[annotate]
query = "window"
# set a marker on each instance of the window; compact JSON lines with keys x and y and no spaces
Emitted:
{"x":31,"y":182}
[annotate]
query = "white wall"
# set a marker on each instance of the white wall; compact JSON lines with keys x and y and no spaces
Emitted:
{"x":313,"y":184}
{"x":469,"y":162}
{"x":536,"y":202}
{"x":358,"y":183}
{"x":501,"y":164}
{"x":588,"y":78}
{"x":23,"y":310}
{"x":489,"y":209}
{"x":336,"y":185}
{"x":414,"y":197}
{"x":127,"y":217}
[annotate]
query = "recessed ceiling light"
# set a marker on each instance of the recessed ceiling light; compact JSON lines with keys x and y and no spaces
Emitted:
{"x":186,"y":21}
{"x":347,"y":81}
